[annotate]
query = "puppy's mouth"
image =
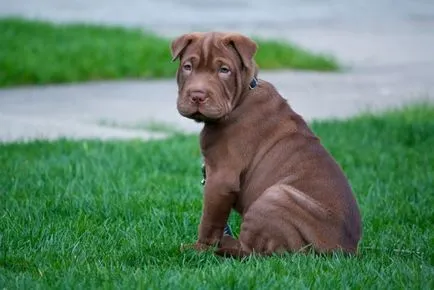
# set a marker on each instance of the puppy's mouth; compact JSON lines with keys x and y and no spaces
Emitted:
{"x":201,"y":112}
{"x":199,"y":117}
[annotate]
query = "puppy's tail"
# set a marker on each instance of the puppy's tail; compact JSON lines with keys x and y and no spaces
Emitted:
{"x":231,"y":248}
{"x":231,"y":253}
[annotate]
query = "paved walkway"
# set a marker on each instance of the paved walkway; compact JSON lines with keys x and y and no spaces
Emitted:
{"x":387,"y":44}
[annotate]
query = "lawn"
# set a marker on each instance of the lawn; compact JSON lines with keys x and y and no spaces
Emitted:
{"x":111,"y":215}
{"x":36,"y":52}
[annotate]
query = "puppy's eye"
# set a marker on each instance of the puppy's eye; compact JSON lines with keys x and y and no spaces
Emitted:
{"x":224,"y":70}
{"x":187,"y":67}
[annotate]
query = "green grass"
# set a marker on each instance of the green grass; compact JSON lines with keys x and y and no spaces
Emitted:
{"x":113,"y":215}
{"x":35,"y":52}
{"x":274,"y":54}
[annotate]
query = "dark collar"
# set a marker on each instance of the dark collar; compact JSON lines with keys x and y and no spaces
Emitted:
{"x":253,"y":83}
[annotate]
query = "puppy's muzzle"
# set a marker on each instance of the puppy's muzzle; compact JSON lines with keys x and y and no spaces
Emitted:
{"x":198,"y":97}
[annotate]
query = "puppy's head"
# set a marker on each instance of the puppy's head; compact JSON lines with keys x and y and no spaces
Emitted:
{"x":214,"y":71}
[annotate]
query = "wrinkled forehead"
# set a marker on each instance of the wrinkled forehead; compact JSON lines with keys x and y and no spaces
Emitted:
{"x":209,"y":49}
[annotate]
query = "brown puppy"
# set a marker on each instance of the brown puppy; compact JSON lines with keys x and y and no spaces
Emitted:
{"x":261,"y":158}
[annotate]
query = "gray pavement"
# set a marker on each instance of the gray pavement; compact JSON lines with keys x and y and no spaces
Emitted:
{"x":387,"y":46}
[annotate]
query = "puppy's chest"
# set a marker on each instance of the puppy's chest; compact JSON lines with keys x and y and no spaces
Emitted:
{"x":226,"y":149}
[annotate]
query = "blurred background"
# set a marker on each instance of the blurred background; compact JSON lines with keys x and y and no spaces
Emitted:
{"x":377,"y":54}
{"x":378,"y":31}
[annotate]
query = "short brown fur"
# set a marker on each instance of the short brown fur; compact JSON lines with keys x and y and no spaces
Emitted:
{"x":261,"y":157}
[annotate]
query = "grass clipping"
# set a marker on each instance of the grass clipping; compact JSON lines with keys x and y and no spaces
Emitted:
{"x":36,"y":52}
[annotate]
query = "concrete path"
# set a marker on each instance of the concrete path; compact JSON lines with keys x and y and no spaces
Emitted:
{"x":387,"y":44}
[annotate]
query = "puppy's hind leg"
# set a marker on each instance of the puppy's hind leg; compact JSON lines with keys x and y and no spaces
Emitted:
{"x":286,"y":219}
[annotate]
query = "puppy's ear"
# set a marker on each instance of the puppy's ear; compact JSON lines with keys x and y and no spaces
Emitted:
{"x":179,"y":44}
{"x":245,"y":47}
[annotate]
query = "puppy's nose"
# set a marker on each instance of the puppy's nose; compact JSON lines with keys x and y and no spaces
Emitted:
{"x":198,"y":96}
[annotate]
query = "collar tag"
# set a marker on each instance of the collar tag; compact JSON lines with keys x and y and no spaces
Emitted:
{"x":203,"y":174}
{"x":253,"y":83}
